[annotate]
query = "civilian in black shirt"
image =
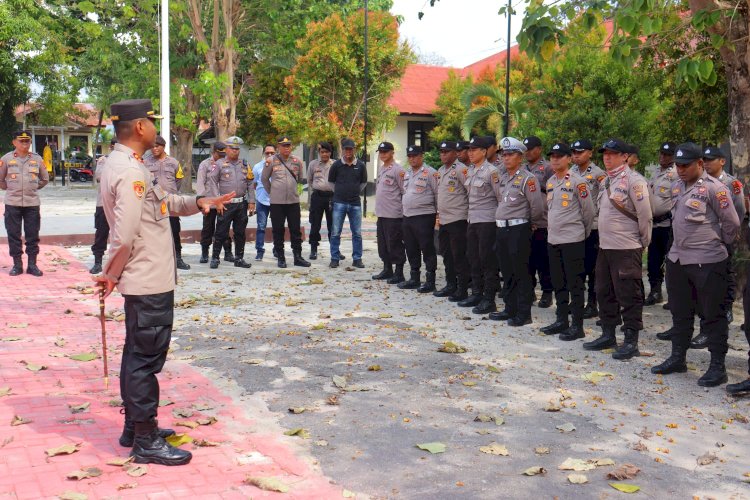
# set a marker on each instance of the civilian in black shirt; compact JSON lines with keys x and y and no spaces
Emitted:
{"x":348,"y":176}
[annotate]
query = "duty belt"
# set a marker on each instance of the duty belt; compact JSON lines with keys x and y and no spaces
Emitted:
{"x":510,"y":222}
{"x":237,"y":200}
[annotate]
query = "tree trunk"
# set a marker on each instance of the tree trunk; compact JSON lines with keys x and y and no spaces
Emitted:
{"x":184,"y":154}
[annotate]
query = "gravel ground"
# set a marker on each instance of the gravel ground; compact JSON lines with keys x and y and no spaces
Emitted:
{"x":279,"y":337}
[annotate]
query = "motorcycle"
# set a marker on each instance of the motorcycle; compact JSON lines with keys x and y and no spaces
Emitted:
{"x":80,"y":174}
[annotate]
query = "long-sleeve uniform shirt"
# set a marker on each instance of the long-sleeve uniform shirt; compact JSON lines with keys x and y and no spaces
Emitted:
{"x":629,"y":190}
{"x":420,"y":191}
{"x":735,"y":191}
{"x":280,"y":179}
{"x":703,"y":221}
{"x":22,"y":177}
{"x":203,"y":186}
{"x":167,"y":172}
{"x":452,"y":196}
{"x":141,"y":251}
{"x":389,"y":190}
{"x":233,"y":176}
{"x":483,"y":196}
{"x":519,"y":197}
{"x":570,"y":211}
{"x":542,"y":170}
{"x":98,"y":171}
{"x":594,"y":176}
{"x":660,"y":186}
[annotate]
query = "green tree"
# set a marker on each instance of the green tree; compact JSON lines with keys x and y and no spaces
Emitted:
{"x":449,"y":112}
{"x":490,"y":108}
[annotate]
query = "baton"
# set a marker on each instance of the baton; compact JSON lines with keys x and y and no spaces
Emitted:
{"x":102,"y":320}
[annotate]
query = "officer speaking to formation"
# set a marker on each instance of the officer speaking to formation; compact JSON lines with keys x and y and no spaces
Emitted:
{"x":142,"y":266}
{"x":22,"y":174}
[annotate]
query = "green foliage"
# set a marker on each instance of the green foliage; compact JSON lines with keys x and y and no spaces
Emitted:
{"x":449,"y":112}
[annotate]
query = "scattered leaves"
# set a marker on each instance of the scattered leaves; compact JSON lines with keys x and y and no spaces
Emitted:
{"x":533,"y":471}
{"x":489,"y":418}
{"x":432,"y":447}
{"x":182,"y":413}
{"x":79,"y":408}
{"x":566,"y":427}
{"x":267,"y":484}
{"x":207,"y":421}
{"x":187,"y":423}
{"x":119,"y":461}
{"x":18,"y":325}
{"x":373,"y":368}
{"x":177,"y":440}
{"x":87,"y":356}
{"x":297,"y":410}
{"x":126,"y":486}
{"x":4,"y":391}
{"x":602,"y":462}
{"x":541,"y":450}
{"x":576,"y":464}
{"x":204,"y":443}
{"x":493,"y":369}
{"x":84,"y":473}
{"x":33,"y":366}
{"x":299,"y":431}
{"x":12,"y":339}
{"x":65,"y":449}
{"x":578,"y":478}
{"x":136,"y":470}
{"x":495,"y":449}
{"x":332,"y":400}
{"x":625,"y":471}
{"x":118,"y":402}
{"x":60,"y":342}
{"x":451,"y":348}
{"x":339,"y":381}
{"x":18,"y":420}
{"x":625,"y":488}
{"x":72,"y":495}
{"x":596,"y":377}
{"x":706,"y":459}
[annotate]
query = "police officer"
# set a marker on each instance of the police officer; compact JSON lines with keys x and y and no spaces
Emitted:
{"x":660,"y":187}
{"x":480,"y":235}
{"x":280,"y":179}
{"x":539,"y":261}
{"x":420,"y":208}
{"x":493,"y":155}
{"x":624,"y":203}
{"x":101,"y":234}
{"x":142,"y":265}
{"x":321,"y":194}
{"x":704,"y":222}
{"x":453,"y":212}
{"x":203,"y":187}
{"x":713,"y":162}
{"x":22,"y":175}
{"x":520,"y":209}
{"x":262,"y":201}
{"x":571,"y":214}
{"x":167,"y":172}
{"x":582,"y":165}
{"x":463,"y":152}
{"x":634,"y":156}
{"x":232,"y":175}
{"x":389,"y":190}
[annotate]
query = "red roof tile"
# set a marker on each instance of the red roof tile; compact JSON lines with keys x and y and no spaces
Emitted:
{"x":419,"y":89}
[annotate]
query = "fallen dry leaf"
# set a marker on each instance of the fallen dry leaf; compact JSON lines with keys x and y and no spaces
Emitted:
{"x":204,"y":443}
{"x":339,"y":381}
{"x":187,"y":423}
{"x":182,"y":413}
{"x":576,"y":464}
{"x":578,"y":478}
{"x":625,"y":471}
{"x":268,"y":484}
{"x":297,"y":410}
{"x":706,"y":459}
{"x":4,"y":391}
{"x":18,"y":325}
{"x":60,"y":342}
{"x":602,"y":462}
{"x":207,"y":421}
{"x":495,"y":449}
{"x":65,"y":449}
{"x":126,"y":486}
{"x":177,"y":440}
{"x":451,"y":348}
{"x":566,"y":427}
{"x":541,"y":450}
{"x":18,"y":420}
{"x":84,"y":473}
{"x":299,"y":432}
{"x":533,"y":471}
{"x":12,"y":339}
{"x":432,"y":447}
{"x":119,"y":461}
{"x":33,"y":366}
{"x":596,"y":377}
{"x":625,"y":488}
{"x":136,"y":470}
{"x":552,"y":406}
{"x":373,"y":368}
{"x":78,"y":408}
{"x":87,"y":356}
{"x":72,"y":495}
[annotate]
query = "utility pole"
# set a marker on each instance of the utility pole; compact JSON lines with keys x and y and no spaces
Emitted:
{"x":165,"y":111}
{"x":367,"y":83}
{"x":506,"y":118}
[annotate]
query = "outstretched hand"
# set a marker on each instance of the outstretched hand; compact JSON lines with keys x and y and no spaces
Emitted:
{"x":217,"y":202}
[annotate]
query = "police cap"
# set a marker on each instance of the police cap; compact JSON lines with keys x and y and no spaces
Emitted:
{"x":559,"y":148}
{"x":687,"y":152}
{"x":347,"y":144}
{"x":219,"y":146}
{"x":413,"y":150}
{"x":712,"y":153}
{"x":234,"y":142}
{"x":284,"y":139}
{"x":490,"y":140}
{"x":532,"y":142}
{"x":462,"y":145}
{"x":132,"y":109}
{"x":449,"y":146}
{"x":385,"y":146}
{"x":478,"y":142}
{"x":616,"y":145}
{"x":668,"y":148}
{"x":21,"y":134}
{"x":512,"y":145}
{"x":582,"y":145}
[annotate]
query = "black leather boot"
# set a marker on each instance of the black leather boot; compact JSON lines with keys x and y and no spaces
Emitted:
{"x":675,"y":363}
{"x":560,"y":325}
{"x":666,"y":335}
{"x":605,"y":341}
{"x":333,"y":264}
{"x":739,"y":388}
{"x":716,"y":373}
{"x":700,"y":341}
{"x":358,"y":263}
{"x":654,"y":296}
{"x":448,"y":290}
{"x":281,"y":260}
{"x":546,"y":300}
{"x":590,"y":311}
{"x":472,"y":300}
{"x":181,"y":264}
{"x":629,"y":348}
{"x":204,"y":255}
{"x":214,"y":261}
{"x":17,"y":267}
{"x":398,"y":275}
{"x":460,"y":294}
{"x":150,"y":448}
{"x":520,"y":320}
{"x":128,"y":433}
{"x":228,"y":257}
{"x":487,"y":305}
{"x":575,"y":331}
{"x":412,"y":283}
{"x":429,"y":283}
{"x":32,"y":269}
{"x":313,"y":252}
{"x":501,"y":315}
{"x":299,"y":261}
{"x":97,"y":267}
{"x":386,"y":273}
{"x":239,"y":261}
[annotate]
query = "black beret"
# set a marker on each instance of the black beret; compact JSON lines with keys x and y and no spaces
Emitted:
{"x":448,"y":146}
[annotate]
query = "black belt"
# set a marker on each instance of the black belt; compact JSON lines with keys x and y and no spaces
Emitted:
{"x":327,"y":194}
{"x":663,"y":217}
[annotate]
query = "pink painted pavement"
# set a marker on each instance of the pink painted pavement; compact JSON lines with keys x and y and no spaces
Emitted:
{"x":35,"y":313}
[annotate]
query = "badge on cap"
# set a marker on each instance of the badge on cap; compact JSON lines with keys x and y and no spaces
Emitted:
{"x":139,"y":187}
{"x":679,"y":152}
{"x":556,"y":146}
{"x":382,"y":145}
{"x":578,"y":143}
{"x":506,"y":143}
{"x":666,"y":146}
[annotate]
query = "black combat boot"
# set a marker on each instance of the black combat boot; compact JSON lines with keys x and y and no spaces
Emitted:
{"x":128,"y":433}
{"x":575,"y":331}
{"x":520,"y":320}
{"x":214,"y":261}
{"x":629,"y":348}
{"x":605,"y":341}
{"x":313,"y":251}
{"x":97,"y":267}
{"x":386,"y":273}
{"x":666,"y":335}
{"x":716,"y":373}
{"x":204,"y":254}
{"x":501,"y":315}
{"x":654,"y":296}
{"x":412,"y":283}
{"x":739,"y":388}
{"x":32,"y":269}
{"x":560,"y":325}
{"x":461,"y":292}
{"x":448,"y":290}
{"x":181,"y":264}
{"x":590,"y":311}
{"x":150,"y":448}
{"x":17,"y":267}
{"x":429,"y":283}
{"x":487,"y":305}
{"x":280,"y":260}
{"x":333,"y":264}
{"x":228,"y":256}
{"x":239,"y":261}
{"x":546,"y":300}
{"x":299,"y":261}
{"x":700,"y":341}
{"x":398,"y":275}
{"x":675,"y":363}
{"x":472,"y":300}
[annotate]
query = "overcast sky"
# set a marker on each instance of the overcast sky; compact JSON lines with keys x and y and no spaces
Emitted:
{"x":460,"y":31}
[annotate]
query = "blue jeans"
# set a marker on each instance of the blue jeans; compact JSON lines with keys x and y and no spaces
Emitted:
{"x":354,"y":211}
{"x":260,"y":233}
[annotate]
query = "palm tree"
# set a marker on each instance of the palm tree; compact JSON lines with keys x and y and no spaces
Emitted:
{"x":491,"y":107}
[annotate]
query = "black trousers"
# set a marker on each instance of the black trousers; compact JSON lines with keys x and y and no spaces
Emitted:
{"x":391,"y":241}
{"x":589,"y":263}
{"x":746,"y":306}
{"x":619,"y":287}
{"x":698,"y":287}
{"x":480,"y":248}
{"x":148,"y":331}
{"x":539,"y":261}
{"x":27,"y":218}
{"x":567,"y":270}
{"x":452,"y":244}
{"x":513,"y":245}
{"x":419,"y":240}
{"x":320,"y":205}
{"x":102,"y":233}
{"x":209,"y":229}
{"x":289,"y":213}
{"x":235,"y":214}
{"x":174,"y":223}
{"x":731,"y":280}
{"x":661,"y":241}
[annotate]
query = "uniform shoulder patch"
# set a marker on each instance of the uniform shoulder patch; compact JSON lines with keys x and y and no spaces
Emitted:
{"x":601,"y":178}
{"x":736,"y":185}
{"x":139,"y":187}
{"x":531,"y":183}
{"x":466,"y":170}
{"x":402,"y":174}
{"x":583,"y":191}
{"x":250,"y":175}
{"x":495,"y":177}
{"x":436,"y":175}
